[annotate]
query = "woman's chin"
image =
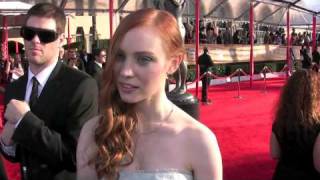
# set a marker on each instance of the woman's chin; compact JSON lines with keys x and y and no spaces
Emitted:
{"x":129,"y":99}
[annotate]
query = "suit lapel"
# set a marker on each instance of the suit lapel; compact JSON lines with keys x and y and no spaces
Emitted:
{"x":47,"y":99}
{"x":21,"y":88}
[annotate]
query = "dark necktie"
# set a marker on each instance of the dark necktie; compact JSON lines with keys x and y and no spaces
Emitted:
{"x":34,"y":92}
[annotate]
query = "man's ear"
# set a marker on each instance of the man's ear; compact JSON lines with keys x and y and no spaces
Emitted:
{"x":62,"y":37}
{"x":175,"y":62}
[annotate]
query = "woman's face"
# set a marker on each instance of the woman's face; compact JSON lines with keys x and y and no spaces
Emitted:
{"x":140,"y":65}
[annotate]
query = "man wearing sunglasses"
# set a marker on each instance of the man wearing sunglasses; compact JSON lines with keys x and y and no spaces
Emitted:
{"x":46,"y":108}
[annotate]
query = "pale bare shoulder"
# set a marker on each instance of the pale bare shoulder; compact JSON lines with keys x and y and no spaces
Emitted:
{"x":86,"y":145}
{"x":90,"y":125}
{"x":203,"y":153}
{"x":193,"y":128}
{"x":316,"y":153}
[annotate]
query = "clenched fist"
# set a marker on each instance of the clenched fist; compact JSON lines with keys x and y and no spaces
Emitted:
{"x":7,"y":133}
{"x":15,"y":111}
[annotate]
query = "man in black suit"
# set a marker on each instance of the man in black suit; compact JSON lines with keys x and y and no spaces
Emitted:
{"x":205,"y":62}
{"x":95,"y":67}
{"x":46,"y":108}
{"x":85,"y":58}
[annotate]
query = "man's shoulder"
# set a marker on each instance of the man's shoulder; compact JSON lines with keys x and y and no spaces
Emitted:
{"x":68,"y":73}
{"x":73,"y":79}
{"x":201,"y":55}
{"x":16,"y":83}
{"x":204,"y":56}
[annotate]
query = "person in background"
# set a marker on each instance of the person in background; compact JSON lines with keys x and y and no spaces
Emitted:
{"x":227,"y":36}
{"x":85,"y":58}
{"x":295,"y":140}
{"x":140,"y":134}
{"x":219,"y":37}
{"x":266,"y":38}
{"x":74,"y":60}
{"x":62,"y":55}
{"x":236,"y":37}
{"x":47,"y":106}
{"x":205,"y":62}
{"x":95,"y":67}
{"x":306,"y":60}
{"x":316,"y":59}
{"x":16,"y":69}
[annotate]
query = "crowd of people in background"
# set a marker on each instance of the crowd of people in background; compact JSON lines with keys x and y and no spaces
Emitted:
{"x":91,"y":63}
{"x":224,"y":32}
{"x":210,"y":32}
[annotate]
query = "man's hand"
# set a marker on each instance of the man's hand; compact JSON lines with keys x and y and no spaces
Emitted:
{"x":15,"y":111}
{"x":7,"y":133}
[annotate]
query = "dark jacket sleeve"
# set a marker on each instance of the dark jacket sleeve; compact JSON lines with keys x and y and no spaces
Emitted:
{"x":58,"y":149}
{"x":3,"y":175}
{"x":7,"y":98}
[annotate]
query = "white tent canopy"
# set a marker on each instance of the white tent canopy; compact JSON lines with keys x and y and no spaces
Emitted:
{"x":13,"y":7}
{"x":265,"y":11}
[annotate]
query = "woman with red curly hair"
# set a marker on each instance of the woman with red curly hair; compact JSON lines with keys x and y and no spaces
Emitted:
{"x":140,"y":134}
{"x":295,"y":139}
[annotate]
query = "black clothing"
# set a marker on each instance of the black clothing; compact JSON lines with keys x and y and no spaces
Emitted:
{"x":81,"y":65}
{"x":296,"y":144}
{"x":306,"y":61}
{"x":219,"y":40}
{"x":85,"y":60}
{"x":205,"y":62}
{"x":3,"y":175}
{"x":34,"y":92}
{"x":236,"y":39}
{"x":47,"y":135}
{"x":95,"y":71}
{"x":316,"y":57}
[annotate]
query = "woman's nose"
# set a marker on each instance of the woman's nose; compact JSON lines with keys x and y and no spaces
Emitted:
{"x":127,"y":69}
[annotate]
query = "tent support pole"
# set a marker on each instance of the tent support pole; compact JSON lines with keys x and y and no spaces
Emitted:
{"x":288,"y":43}
{"x":197,"y":11}
{"x":251,"y":29}
{"x":111,"y":18}
{"x":314,"y":37}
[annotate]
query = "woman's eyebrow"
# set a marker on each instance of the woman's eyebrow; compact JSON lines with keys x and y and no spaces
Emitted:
{"x":144,"y":53}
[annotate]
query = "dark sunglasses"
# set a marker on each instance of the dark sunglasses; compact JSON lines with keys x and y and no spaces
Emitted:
{"x":45,"y":35}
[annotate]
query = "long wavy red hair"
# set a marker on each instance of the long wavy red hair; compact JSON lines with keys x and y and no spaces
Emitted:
{"x":299,"y":102}
{"x":118,"y":122}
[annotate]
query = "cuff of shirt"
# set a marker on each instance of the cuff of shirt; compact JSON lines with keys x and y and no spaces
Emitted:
{"x":9,"y":150}
{"x":18,"y":122}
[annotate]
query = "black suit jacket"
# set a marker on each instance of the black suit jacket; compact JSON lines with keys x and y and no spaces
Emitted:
{"x":86,"y":60}
{"x":205,"y":62}
{"x":95,"y":71}
{"x":47,"y":135}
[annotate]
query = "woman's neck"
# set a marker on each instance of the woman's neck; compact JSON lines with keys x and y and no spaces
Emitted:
{"x":154,"y":112}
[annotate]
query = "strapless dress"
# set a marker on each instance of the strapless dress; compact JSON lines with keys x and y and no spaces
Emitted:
{"x":156,"y":175}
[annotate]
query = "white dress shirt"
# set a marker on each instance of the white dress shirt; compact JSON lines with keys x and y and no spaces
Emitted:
{"x":42,"y":78}
{"x":99,"y":64}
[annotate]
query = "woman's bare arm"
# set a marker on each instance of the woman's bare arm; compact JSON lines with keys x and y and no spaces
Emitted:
{"x":274,"y":147}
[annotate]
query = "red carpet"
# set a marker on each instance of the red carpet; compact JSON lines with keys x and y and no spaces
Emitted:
{"x":13,"y":171}
{"x":242,"y":127}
